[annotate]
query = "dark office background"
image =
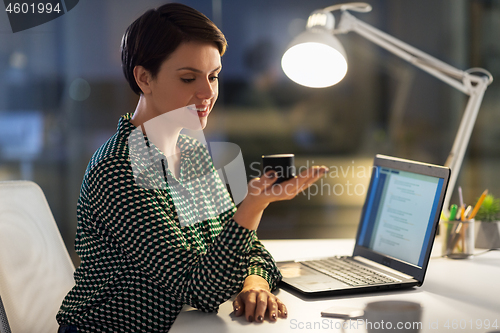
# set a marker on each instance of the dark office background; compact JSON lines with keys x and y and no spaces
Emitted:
{"x":62,"y":91}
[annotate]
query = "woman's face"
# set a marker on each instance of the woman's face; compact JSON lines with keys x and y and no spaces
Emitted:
{"x":188,"y":77}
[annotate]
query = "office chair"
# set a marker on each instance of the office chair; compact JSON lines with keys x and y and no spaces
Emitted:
{"x":36,"y":271}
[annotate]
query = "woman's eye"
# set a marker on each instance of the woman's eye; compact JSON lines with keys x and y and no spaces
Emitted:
{"x":187,"y":80}
{"x":214,"y":78}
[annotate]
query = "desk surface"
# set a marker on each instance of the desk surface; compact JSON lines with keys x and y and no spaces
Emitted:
{"x":457,"y":296}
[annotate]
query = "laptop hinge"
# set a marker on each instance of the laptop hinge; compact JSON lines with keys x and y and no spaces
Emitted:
{"x":380,"y":266}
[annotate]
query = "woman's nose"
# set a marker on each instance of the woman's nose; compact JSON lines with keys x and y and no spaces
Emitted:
{"x":207,"y":90}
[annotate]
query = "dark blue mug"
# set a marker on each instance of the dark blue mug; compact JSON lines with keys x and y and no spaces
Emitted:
{"x":283,"y":164}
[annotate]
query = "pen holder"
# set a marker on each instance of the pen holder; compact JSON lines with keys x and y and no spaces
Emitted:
{"x":458,"y":238}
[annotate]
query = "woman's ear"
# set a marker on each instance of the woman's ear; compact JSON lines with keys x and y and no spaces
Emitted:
{"x":143,"y":79}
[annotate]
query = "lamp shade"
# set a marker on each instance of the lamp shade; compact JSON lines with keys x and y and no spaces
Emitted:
{"x":315,"y":59}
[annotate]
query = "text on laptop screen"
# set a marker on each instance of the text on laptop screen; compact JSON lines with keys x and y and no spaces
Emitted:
{"x":400,"y":211}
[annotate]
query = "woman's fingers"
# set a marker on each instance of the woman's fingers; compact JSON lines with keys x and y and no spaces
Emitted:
{"x":260,"y":309}
{"x":267,"y":180}
{"x":311,"y":176}
{"x":259,"y":186}
{"x":312,"y":173}
{"x":272,"y":308}
{"x":239,"y":307}
{"x":300,"y":183}
{"x":250,"y":304}
{"x":265,"y":190}
{"x":282,"y":311}
{"x":255,"y":304}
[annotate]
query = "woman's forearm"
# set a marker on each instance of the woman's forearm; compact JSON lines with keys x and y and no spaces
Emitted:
{"x":249,"y":213}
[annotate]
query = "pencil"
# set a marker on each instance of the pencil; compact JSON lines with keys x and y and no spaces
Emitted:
{"x":478,"y":204}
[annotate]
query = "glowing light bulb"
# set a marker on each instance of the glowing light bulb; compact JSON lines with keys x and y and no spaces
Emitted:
{"x":315,"y":59}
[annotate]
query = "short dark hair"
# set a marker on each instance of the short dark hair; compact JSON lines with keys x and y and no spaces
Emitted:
{"x":154,"y":36}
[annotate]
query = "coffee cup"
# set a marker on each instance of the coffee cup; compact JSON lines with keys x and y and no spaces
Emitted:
{"x":282,"y":164}
{"x":393,"y":316}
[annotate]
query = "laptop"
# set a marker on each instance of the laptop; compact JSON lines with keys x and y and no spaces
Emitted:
{"x":395,"y":235}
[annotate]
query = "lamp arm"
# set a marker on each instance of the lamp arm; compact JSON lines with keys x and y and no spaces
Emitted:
{"x":457,"y":153}
{"x":445,"y":72}
{"x":361,"y":7}
{"x":470,"y":84}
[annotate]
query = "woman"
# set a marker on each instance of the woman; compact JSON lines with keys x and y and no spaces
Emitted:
{"x":140,"y":263}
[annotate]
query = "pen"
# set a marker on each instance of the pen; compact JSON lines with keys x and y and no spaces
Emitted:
{"x":462,"y":206}
{"x":467,"y":211}
{"x":453,"y":212}
{"x":478,"y":204}
{"x":455,"y":236}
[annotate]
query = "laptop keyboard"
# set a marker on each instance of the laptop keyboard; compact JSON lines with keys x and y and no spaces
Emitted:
{"x":348,"y":271}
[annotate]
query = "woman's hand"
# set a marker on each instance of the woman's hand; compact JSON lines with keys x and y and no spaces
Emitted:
{"x":262,"y":191}
{"x":255,"y":299}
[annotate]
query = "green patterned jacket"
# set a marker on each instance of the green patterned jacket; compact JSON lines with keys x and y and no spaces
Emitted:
{"x":139,"y":264}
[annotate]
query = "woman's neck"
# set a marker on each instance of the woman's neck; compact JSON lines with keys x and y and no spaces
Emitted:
{"x":159,"y":128}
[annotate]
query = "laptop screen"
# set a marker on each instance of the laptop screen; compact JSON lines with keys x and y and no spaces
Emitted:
{"x":400,"y":210}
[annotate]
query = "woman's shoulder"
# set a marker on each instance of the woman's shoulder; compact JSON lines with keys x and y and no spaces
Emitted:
{"x":112,"y":153}
{"x":114,"y":149}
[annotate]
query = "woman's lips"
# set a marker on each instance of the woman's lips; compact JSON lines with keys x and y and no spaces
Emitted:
{"x":200,"y":110}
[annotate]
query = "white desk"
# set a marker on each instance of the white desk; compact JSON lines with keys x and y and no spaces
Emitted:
{"x":454,"y":291}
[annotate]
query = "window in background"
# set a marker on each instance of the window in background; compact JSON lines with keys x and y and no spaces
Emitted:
{"x":69,"y":71}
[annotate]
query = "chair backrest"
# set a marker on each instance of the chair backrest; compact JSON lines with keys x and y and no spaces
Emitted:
{"x":36,"y":271}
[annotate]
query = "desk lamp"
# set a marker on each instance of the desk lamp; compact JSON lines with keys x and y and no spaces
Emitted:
{"x":316,"y":59}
